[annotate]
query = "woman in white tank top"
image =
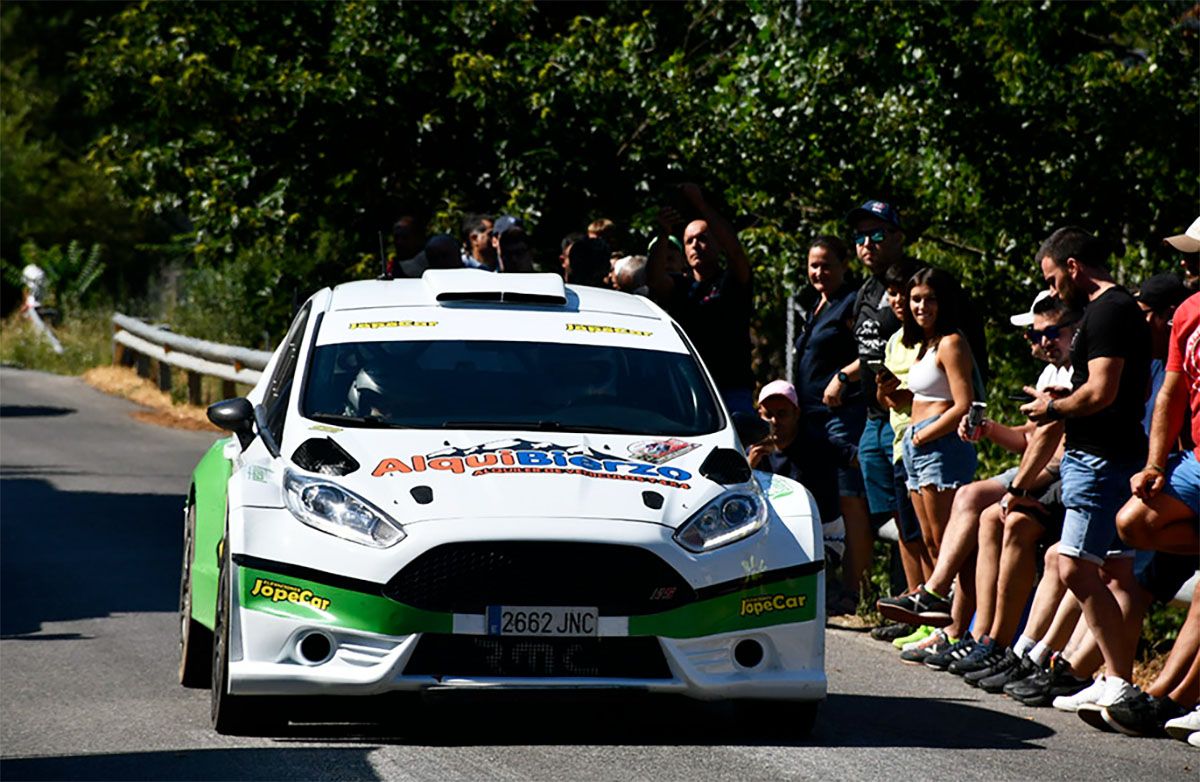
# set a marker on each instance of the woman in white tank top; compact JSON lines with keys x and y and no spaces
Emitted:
{"x":936,"y":459}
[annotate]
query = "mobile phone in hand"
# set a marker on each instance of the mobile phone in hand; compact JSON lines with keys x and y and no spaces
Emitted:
{"x":1020,"y":396}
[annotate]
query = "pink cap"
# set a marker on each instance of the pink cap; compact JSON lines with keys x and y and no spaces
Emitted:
{"x":779,"y":388}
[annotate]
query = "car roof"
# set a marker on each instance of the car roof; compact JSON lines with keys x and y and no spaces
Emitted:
{"x":466,"y":303}
{"x":481,"y":287}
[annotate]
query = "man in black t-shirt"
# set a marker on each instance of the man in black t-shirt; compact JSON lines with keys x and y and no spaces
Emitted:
{"x":713,"y":301}
{"x":1105,"y":444}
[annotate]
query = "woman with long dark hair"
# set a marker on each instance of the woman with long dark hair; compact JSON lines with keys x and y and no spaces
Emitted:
{"x":936,"y":460}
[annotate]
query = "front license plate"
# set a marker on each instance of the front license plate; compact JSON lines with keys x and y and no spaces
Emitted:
{"x":561,"y":621}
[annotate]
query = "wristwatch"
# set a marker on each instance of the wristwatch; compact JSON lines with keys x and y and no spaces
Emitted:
{"x":1052,"y":413}
{"x":1014,"y":491}
{"x":842,"y":377}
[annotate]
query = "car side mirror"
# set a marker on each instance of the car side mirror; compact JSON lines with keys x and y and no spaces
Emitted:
{"x":234,"y":415}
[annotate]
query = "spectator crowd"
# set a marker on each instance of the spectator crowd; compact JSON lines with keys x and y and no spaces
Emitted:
{"x":1032,"y":583}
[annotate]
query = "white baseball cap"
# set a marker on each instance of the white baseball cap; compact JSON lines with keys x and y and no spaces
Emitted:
{"x":1026,"y":318}
{"x":1188,"y":241}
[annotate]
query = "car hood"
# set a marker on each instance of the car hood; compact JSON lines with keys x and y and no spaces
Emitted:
{"x":417,"y":475}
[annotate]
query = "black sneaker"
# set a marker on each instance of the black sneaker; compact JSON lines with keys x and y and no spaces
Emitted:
{"x":1142,"y":714}
{"x":957,"y":651}
{"x":1022,"y":670}
{"x":1000,"y":660}
{"x":1057,"y":678}
{"x":979,"y":657}
{"x":890,"y":633}
{"x":919,"y":608}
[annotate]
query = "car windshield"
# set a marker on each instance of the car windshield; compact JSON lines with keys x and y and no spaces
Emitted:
{"x":455,"y":384}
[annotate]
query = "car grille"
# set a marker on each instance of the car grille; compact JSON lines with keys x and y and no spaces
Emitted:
{"x":467,"y":577}
{"x":477,"y":655}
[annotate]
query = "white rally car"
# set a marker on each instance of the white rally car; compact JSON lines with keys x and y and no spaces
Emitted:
{"x":488,"y":481}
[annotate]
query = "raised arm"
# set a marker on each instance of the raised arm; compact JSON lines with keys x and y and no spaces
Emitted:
{"x":722,"y":233}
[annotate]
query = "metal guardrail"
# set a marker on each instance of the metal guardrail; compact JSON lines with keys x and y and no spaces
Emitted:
{"x":138,"y":343}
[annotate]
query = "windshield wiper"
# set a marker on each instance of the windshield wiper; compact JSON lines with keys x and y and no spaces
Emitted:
{"x":367,"y":421}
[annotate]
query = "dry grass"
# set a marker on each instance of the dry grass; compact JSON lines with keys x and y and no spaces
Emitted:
{"x":160,"y":410}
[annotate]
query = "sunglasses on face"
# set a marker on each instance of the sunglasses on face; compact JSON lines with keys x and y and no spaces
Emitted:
{"x":876,"y":236}
{"x":1050,"y":332}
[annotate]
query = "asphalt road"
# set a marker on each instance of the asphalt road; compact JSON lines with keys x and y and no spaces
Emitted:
{"x":90,"y":544}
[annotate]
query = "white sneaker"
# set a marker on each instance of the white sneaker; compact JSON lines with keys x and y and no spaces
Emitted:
{"x":1089,"y":694}
{"x":1194,"y":739}
{"x":1183,"y":727}
{"x":1115,"y":689}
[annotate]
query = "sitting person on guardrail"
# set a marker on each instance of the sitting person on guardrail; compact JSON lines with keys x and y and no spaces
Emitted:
{"x":1049,"y":327}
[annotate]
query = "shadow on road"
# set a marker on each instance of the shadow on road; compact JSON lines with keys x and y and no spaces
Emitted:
{"x":33,"y":411}
{"x":289,"y":763}
{"x":522,"y":719}
{"x":78,"y":555}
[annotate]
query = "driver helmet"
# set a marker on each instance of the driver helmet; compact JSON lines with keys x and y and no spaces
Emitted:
{"x":375,"y":393}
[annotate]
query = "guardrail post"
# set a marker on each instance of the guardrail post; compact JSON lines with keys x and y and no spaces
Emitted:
{"x":195,"y":395}
{"x":143,"y":365}
{"x":164,"y":376}
{"x":228,"y":389}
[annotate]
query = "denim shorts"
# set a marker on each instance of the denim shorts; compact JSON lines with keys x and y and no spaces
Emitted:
{"x":1094,"y":489}
{"x":1183,"y":479}
{"x":875,"y":461}
{"x":944,"y":463}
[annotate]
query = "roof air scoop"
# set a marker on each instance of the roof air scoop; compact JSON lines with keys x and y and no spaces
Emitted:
{"x":446,"y":285}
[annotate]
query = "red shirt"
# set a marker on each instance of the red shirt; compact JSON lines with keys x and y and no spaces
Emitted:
{"x":1183,"y":356}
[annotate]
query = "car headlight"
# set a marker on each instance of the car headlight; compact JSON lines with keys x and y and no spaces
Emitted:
{"x":728,"y":518}
{"x":324,"y":505}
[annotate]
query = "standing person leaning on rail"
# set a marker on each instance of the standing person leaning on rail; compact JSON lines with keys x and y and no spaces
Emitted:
{"x":825,"y":345}
{"x":712,"y":301}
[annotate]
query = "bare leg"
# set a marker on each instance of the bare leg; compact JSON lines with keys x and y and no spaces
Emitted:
{"x":914,"y":557}
{"x":1161,"y":524}
{"x":857,"y":519}
{"x":1018,"y":568}
{"x":962,"y":532}
{"x":1101,"y":609}
{"x":1181,"y":672}
{"x":937,"y":508}
{"x":1082,"y":651}
{"x":1065,"y":619}
{"x":1046,"y":599}
{"x":918,"y":501}
{"x":987,"y":568}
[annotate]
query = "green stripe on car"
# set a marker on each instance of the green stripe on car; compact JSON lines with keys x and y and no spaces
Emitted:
{"x":780,"y":602}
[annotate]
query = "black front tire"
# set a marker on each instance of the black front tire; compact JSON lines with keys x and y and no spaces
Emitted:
{"x":234,"y":715}
{"x":195,"y":640}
